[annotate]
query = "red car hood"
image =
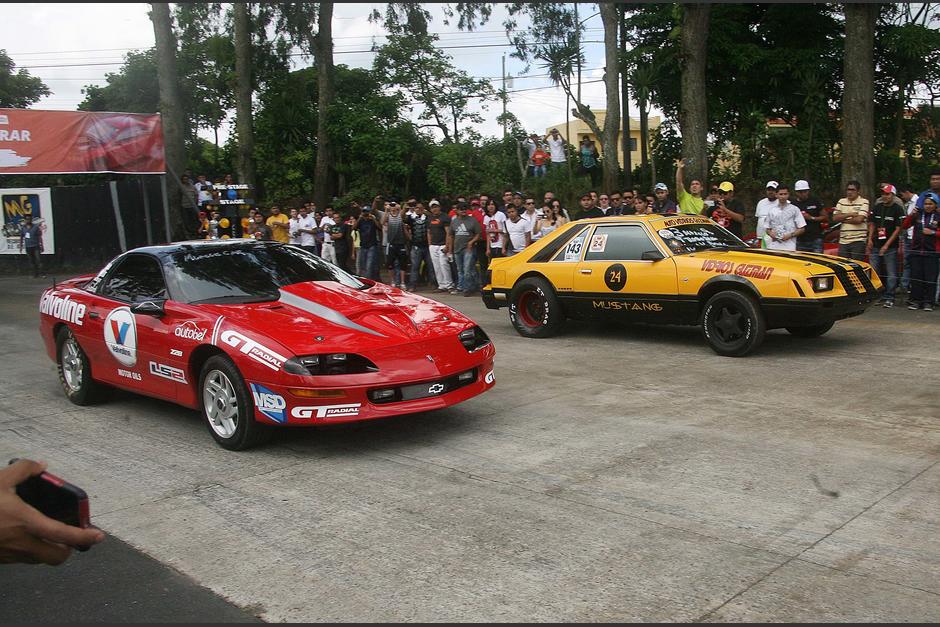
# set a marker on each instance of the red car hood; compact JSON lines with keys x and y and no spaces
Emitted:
{"x":317,"y":317}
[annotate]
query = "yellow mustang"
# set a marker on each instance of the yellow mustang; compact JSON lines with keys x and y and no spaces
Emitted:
{"x":668,"y":269}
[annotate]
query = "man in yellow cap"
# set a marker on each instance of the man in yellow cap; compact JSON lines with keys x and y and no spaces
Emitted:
{"x":728,"y":211}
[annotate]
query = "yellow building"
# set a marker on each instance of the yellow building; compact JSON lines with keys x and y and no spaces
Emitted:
{"x":579,"y":129}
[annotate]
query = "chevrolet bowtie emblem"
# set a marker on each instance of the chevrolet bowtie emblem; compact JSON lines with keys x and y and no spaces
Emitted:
{"x":437,"y":388}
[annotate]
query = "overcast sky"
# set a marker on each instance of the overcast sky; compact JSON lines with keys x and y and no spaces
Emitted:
{"x":83,"y":42}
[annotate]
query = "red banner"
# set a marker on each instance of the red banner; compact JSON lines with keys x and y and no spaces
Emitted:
{"x":79,"y":142}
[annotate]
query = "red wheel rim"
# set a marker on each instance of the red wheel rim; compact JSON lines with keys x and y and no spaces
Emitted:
{"x":531,"y":309}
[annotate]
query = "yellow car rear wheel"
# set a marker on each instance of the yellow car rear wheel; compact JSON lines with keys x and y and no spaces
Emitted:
{"x":534,"y":309}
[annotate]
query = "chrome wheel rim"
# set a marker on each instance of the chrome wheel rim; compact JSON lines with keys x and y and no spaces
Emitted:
{"x":220,"y":403}
{"x":72,"y":364}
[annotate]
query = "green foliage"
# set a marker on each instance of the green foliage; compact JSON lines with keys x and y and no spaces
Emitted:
{"x":18,"y":90}
{"x":133,"y":88}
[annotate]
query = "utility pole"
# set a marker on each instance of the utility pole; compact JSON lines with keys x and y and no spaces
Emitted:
{"x":577,"y":46}
{"x":504,"y":95}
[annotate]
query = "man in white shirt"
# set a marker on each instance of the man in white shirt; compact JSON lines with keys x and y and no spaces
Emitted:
{"x":329,"y":251}
{"x":530,"y":144}
{"x":909,"y":198}
{"x":293,"y":228}
{"x":784,"y":222}
{"x":518,"y":232}
{"x":307,"y":226}
{"x":556,"y":148}
{"x":761,"y":211}
{"x":531,"y":214}
{"x":495,"y":231}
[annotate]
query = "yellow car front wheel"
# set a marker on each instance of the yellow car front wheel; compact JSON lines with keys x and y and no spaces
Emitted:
{"x":732,"y":323}
{"x":534,"y":309}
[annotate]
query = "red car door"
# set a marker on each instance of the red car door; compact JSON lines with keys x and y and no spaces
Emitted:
{"x":133,"y":349}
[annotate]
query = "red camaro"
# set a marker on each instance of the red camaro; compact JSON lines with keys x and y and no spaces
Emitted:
{"x":257,"y":334}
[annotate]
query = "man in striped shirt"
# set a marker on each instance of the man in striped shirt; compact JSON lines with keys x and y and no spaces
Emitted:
{"x":852,"y":212}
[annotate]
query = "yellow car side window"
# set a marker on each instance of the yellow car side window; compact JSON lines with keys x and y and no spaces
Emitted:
{"x":572,"y":250}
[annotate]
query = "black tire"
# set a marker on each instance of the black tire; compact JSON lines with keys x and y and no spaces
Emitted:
{"x":75,"y":370}
{"x":813,"y":331}
{"x":233,"y":426}
{"x":534,"y":309}
{"x":732,"y":323}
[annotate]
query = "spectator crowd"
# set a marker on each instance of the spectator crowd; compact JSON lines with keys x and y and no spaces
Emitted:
{"x":447,"y":244}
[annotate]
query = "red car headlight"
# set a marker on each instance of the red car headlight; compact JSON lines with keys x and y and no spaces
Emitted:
{"x":332,"y":363}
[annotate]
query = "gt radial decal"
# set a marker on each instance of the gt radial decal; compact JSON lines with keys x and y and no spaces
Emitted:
{"x":167,"y":372}
{"x":326,"y":411}
{"x":259,"y":352}
{"x":269,"y":403}
{"x":120,"y":335}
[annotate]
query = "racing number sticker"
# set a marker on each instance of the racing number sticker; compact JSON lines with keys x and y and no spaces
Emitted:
{"x":615,"y":277}
{"x":599,"y":243}
{"x":573,"y":251}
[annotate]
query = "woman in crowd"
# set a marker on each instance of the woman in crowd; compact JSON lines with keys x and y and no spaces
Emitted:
{"x":548,"y":223}
{"x":925,"y":253}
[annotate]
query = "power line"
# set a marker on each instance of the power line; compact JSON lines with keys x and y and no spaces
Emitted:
{"x":301,"y":54}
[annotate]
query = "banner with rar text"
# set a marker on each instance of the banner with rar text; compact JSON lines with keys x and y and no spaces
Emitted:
{"x":18,"y":203}
{"x":80,"y":142}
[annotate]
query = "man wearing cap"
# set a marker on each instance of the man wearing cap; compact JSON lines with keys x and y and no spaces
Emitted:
{"x":811,"y":240}
{"x":466,"y":231}
{"x":690,"y":201}
{"x":556,"y":148}
{"x":762,"y":208}
{"x":852,"y":213}
{"x":884,"y":229}
{"x":663,"y":204}
{"x":728,"y":210}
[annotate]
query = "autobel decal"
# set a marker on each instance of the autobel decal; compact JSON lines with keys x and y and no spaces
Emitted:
{"x":120,"y":336}
{"x":62,"y":308}
{"x":190,"y":331}
{"x":269,"y":403}
{"x":167,"y":372}
{"x":326,"y":411}
{"x":258,"y":352}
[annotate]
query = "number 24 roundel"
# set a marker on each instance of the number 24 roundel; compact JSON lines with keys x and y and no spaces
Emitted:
{"x":615,"y":276}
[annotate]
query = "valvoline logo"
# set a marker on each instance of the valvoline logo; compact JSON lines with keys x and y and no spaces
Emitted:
{"x":269,"y":403}
{"x":120,"y":335}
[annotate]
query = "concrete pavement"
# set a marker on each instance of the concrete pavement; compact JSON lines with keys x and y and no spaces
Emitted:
{"x":613,"y":474}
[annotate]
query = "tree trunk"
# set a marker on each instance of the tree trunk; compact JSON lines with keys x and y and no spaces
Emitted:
{"x":858,"y":116}
{"x":625,"y":98}
{"x":693,"y":120}
{"x":171,"y":111}
{"x":899,"y":121}
{"x":244,"y":127}
{"x":609,"y":16}
{"x":326,"y":93}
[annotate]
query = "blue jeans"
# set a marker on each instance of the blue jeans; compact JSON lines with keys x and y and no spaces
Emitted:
{"x":886,"y":265}
{"x":466,"y":269}
{"x":419,"y":254}
{"x":906,"y":275}
{"x":369,"y":262}
{"x":811,"y":246}
{"x":538,"y":170}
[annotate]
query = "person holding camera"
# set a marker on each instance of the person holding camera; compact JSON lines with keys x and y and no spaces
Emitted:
{"x":727,"y":210}
{"x":925,"y":252}
{"x":28,"y":536}
{"x":369,"y":229}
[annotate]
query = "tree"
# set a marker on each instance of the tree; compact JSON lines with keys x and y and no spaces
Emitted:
{"x":243,"y":89}
{"x":858,"y":118}
{"x":693,"y":117}
{"x":171,"y":111}
{"x":130,"y":89}
{"x":410,"y":63}
{"x":18,"y":90}
{"x":610,"y":17}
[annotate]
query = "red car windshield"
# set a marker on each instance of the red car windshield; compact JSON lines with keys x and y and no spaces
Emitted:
{"x":247,"y":274}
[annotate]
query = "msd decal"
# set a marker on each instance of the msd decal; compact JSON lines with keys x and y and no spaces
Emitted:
{"x":120,"y":335}
{"x":62,"y":308}
{"x":268,"y":403}
{"x":326,"y":411}
{"x":260,"y":353}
